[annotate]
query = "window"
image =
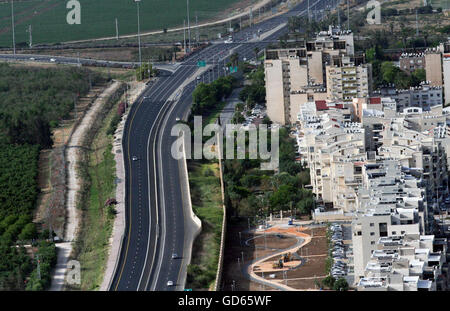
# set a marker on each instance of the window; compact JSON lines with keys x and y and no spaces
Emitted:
{"x":372,"y":242}
{"x":371,"y":224}
{"x":372,"y":233}
{"x":394,"y":232}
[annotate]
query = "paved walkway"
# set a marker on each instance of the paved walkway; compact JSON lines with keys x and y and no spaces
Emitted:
{"x":302,"y":240}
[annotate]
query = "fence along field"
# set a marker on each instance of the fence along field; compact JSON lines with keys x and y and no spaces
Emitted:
{"x":48,"y":18}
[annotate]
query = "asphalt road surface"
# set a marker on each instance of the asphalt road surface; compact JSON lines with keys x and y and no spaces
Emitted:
{"x":156,"y":222}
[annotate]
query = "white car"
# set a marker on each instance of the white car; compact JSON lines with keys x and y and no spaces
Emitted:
{"x":52,"y":60}
{"x":169,"y":283}
{"x":177,"y":119}
{"x":134,"y":158}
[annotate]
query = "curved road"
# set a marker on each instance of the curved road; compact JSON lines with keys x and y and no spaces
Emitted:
{"x":156,"y":222}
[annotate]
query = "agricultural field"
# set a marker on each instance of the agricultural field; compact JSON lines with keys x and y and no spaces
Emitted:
{"x":49,"y":25}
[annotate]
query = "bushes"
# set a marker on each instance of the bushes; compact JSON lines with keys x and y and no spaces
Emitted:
{"x":340,"y":285}
{"x":207,"y":96}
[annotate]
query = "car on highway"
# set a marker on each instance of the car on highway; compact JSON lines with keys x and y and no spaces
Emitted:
{"x":169,"y":283}
{"x":177,"y":119}
{"x":174,"y":256}
{"x":134,"y":158}
{"x":32,"y":58}
{"x":52,"y":60}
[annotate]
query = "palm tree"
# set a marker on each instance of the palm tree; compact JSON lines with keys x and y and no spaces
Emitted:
{"x":256,"y":51}
{"x":234,"y":58}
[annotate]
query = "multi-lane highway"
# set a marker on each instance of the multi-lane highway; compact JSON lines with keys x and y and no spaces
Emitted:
{"x":157,"y":224}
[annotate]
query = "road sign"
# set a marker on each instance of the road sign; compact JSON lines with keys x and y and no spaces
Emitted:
{"x":233,"y":69}
{"x":188,"y":289}
{"x":201,"y":63}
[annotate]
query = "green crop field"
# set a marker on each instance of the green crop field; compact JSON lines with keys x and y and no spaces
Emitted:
{"x":49,"y":25}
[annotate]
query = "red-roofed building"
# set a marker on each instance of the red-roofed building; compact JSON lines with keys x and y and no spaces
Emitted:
{"x":374,"y":100}
{"x":321,"y":105}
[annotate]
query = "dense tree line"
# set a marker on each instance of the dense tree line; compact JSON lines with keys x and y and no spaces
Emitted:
{"x":33,"y":100}
{"x":251,"y":191}
{"x":207,"y":96}
{"x":255,"y":92}
{"x":385,"y":72}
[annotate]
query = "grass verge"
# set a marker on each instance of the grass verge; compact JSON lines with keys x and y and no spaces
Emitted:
{"x":206,"y":197}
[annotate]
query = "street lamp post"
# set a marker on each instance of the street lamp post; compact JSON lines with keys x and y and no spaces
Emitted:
{"x":189,"y":27}
{"x":139,"y":34}
{"x":12,"y":25}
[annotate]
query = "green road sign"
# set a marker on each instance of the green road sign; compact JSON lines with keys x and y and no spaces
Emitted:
{"x":201,"y":63}
{"x":233,"y":69}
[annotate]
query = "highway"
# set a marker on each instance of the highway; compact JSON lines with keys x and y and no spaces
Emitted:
{"x":157,"y":225}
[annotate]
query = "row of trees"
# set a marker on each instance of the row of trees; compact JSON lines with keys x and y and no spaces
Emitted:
{"x":18,"y":194}
{"x":255,"y":92}
{"x":207,"y":96}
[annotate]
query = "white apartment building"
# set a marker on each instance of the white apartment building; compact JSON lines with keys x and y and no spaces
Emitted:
{"x":408,"y":262}
{"x":390,"y":202}
{"x":295,"y":76}
{"x":334,"y":146}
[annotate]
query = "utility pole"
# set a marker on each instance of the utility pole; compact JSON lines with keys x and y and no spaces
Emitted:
{"x":75,"y":107}
{"x":31,"y":36}
{"x":184,"y":34}
{"x":12,"y":22}
{"x":139,"y":34}
{"x":348,"y":15}
{"x":196,"y":28}
{"x":38,"y":266}
{"x":189,"y":26}
{"x":309,"y":16}
{"x":417,"y":25}
{"x":339,"y":16}
{"x":117,"y":29}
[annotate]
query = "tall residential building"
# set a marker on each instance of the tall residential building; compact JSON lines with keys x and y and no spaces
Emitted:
{"x":335,"y":152}
{"x":297,"y":75}
{"x":347,"y":80}
{"x":433,"y":67}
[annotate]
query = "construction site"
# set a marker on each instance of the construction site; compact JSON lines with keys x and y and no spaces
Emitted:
{"x":283,"y":255}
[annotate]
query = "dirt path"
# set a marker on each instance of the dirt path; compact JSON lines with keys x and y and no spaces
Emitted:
{"x":73,"y":187}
